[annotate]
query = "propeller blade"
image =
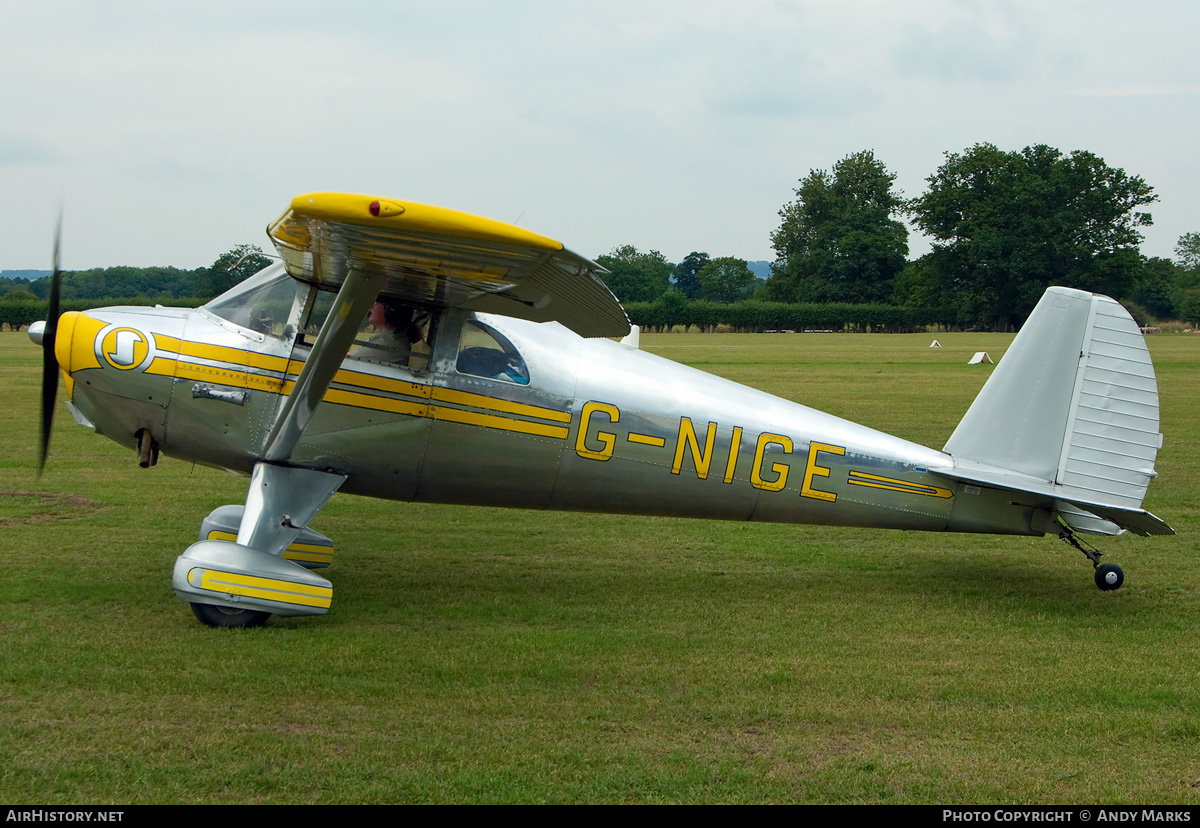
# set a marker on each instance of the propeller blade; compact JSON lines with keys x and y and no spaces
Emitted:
{"x":49,"y":363}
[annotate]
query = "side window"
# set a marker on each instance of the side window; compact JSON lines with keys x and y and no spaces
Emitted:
{"x":484,"y":352}
{"x":318,"y":308}
{"x":394,"y":334}
{"x":391,"y":333}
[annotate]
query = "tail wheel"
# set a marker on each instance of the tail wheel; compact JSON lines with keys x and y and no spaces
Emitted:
{"x":1109,"y":577}
{"x":229,"y":617}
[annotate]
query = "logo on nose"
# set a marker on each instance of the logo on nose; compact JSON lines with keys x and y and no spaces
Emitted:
{"x":124,"y":348}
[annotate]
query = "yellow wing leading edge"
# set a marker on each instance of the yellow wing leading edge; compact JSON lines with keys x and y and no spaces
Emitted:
{"x":440,"y":258}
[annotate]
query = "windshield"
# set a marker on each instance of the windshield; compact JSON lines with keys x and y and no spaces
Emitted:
{"x":264,"y":302}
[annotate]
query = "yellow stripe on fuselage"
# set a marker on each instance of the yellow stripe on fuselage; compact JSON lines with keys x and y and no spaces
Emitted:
{"x":496,"y":404}
{"x":357,"y":400}
{"x":224,"y":376}
{"x":374,"y":382}
{"x":365,"y":390}
{"x":875,"y":481}
{"x":457,"y":415}
{"x":221,"y":353}
{"x":162,"y":342}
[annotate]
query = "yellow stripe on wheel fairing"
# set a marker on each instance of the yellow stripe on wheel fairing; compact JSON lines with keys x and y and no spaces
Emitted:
{"x":310,"y":552}
{"x":269,"y":589}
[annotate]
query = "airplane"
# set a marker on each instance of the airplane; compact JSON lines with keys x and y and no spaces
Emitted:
{"x":512,"y":390}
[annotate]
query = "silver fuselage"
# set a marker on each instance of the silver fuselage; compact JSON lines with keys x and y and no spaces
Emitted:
{"x":599,"y":426}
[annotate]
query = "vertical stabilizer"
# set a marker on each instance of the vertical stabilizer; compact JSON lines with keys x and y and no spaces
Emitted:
{"x":1074,"y":402}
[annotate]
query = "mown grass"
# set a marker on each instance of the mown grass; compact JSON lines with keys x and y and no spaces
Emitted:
{"x":478,"y":655}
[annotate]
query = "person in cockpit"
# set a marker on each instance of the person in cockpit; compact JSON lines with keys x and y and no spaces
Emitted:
{"x":396,"y":332}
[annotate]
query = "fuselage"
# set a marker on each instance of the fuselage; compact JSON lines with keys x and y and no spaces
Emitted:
{"x":572,"y":424}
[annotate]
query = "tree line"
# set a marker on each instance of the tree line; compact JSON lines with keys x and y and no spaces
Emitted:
{"x":1004,"y":225}
{"x":24,"y":301}
{"x":757,"y":316}
{"x":200,"y":284}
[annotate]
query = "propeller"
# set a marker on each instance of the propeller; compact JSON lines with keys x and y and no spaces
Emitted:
{"x":49,"y":363}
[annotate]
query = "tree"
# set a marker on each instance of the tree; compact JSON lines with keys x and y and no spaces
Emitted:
{"x":1155,"y":287}
{"x":238,"y":265}
{"x":1189,"y":306}
{"x":125,"y":281}
{"x":1185,"y":278}
{"x":838,"y":241}
{"x":20,"y":294}
{"x":1008,"y":224}
{"x":685,"y":274}
{"x":634,"y":276}
{"x":1187,"y":250}
{"x":726,"y":280}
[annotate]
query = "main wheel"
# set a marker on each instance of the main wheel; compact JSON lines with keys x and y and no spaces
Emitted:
{"x":1109,"y":577}
{"x":215,"y":616}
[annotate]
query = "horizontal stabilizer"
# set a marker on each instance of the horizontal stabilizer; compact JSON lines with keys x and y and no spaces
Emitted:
{"x":1136,"y":520}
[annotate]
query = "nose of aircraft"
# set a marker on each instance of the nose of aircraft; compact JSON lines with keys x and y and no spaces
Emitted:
{"x":63,"y":335}
{"x":64,"y":340}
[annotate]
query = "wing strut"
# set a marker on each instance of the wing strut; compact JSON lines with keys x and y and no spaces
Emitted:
{"x":353,"y":301}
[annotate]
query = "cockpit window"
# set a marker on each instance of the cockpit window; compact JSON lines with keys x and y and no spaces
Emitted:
{"x":322,"y":302}
{"x":484,"y":352}
{"x":264,"y":302}
{"x":396,"y":335}
{"x":390,"y":334}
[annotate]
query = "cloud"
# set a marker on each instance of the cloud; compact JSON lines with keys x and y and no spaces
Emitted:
{"x":974,"y":43}
{"x":1139,"y":90}
{"x":21,"y":149}
{"x":770,"y":101}
{"x":673,"y":125}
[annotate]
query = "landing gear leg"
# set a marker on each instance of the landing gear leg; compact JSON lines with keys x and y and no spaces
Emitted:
{"x":242,"y":582}
{"x":1108,"y":576}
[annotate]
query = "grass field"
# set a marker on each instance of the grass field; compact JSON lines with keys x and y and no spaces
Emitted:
{"x":477,"y":655}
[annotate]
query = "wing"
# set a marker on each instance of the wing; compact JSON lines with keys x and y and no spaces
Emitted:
{"x":438,"y":258}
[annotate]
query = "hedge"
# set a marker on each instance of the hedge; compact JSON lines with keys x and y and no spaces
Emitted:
{"x":18,"y":313}
{"x":663,"y":314}
{"x":756,"y":317}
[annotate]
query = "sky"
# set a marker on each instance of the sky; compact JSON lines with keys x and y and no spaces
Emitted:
{"x":168,"y":133}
